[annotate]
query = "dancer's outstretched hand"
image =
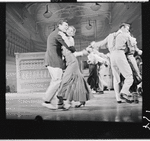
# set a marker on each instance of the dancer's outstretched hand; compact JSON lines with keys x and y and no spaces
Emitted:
{"x":94,"y":45}
{"x":85,"y":52}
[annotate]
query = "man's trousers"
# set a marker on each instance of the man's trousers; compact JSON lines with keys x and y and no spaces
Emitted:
{"x":56,"y":78}
{"x":119,"y":64}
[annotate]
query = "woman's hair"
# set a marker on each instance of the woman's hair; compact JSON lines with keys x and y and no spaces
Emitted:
{"x":74,"y":30}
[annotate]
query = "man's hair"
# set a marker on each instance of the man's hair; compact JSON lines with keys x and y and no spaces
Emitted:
{"x":61,"y":22}
{"x":124,"y":25}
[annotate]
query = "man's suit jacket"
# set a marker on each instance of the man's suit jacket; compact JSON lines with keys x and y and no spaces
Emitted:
{"x":53,"y":55}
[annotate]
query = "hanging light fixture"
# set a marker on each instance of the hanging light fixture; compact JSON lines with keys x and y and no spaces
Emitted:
{"x":47,"y":13}
{"x":95,"y":7}
{"x":89,"y":26}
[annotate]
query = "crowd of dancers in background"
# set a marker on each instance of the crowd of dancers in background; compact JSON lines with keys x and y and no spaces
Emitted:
{"x":67,"y":81}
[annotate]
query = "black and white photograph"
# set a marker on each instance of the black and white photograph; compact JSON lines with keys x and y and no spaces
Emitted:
{"x":74,"y":62}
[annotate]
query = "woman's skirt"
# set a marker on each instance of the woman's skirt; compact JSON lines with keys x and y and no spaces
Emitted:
{"x":73,"y":85}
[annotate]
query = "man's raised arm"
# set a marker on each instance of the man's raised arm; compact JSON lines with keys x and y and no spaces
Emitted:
{"x":99,"y":44}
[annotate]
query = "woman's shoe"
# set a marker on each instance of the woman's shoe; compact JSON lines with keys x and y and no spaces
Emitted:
{"x":80,"y":105}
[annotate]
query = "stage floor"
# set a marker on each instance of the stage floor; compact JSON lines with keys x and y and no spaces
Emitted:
{"x":103,"y":107}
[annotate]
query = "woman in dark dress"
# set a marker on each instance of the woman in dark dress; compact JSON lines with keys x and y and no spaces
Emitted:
{"x":73,"y":86}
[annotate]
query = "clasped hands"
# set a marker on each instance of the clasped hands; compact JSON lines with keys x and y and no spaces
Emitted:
{"x":93,"y":45}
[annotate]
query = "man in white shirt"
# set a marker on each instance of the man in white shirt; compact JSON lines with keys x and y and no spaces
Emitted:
{"x":116,"y":43}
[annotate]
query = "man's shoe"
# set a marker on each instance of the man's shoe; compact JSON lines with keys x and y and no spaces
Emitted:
{"x":50,"y":106}
{"x":119,"y":102}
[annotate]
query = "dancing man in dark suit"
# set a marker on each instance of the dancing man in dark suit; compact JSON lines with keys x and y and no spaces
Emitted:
{"x":55,"y":64}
